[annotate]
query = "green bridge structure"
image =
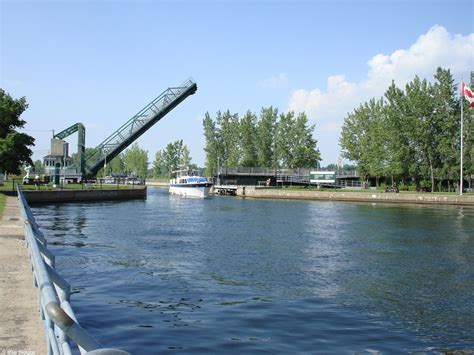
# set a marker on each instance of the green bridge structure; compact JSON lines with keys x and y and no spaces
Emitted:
{"x":137,"y":125}
{"x":89,"y":166}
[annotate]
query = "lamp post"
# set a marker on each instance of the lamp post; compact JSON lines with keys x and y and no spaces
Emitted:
{"x":105,"y":166}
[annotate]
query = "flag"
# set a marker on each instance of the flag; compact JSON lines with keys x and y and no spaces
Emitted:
{"x":467,"y":93}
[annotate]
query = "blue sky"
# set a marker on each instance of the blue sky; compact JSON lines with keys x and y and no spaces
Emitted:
{"x":100,"y":62}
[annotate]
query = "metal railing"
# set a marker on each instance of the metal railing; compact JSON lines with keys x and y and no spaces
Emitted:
{"x":139,"y":123}
{"x":349,"y":183}
{"x":60,"y":323}
{"x":282,"y":171}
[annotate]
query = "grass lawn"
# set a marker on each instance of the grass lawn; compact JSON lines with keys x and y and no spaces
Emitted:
{"x":3,"y":198}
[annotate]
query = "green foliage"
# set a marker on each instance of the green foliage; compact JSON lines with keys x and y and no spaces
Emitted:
{"x":3,"y":199}
{"x":271,"y":140}
{"x":38,"y":167}
{"x":414,"y":134}
{"x":14,"y":146}
{"x":213,"y":145}
{"x":136,"y":160}
{"x":184,"y":157}
{"x":229,"y":125}
{"x":116,"y":165}
{"x":248,"y":127}
{"x":266,"y":133}
{"x":158,"y":165}
{"x":175,"y":156}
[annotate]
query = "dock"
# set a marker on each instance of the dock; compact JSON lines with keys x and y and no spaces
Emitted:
{"x":229,"y":190}
{"x":21,"y":329}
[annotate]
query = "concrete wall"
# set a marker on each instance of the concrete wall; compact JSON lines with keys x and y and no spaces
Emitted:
{"x":356,"y":196}
{"x":157,"y":182}
{"x":84,"y":195}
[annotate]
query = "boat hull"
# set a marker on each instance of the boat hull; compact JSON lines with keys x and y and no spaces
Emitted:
{"x":190,"y":191}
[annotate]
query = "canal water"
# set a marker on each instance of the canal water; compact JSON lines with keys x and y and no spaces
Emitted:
{"x":231,"y":275}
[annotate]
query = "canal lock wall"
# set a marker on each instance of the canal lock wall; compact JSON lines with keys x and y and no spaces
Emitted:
{"x":429,"y":199}
{"x":85,"y":195}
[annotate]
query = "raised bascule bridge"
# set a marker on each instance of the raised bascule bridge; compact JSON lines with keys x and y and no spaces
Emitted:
{"x":59,"y":165}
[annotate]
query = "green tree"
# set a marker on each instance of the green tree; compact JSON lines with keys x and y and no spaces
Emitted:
{"x":158,"y":165}
{"x":285,"y":140}
{"x":413,"y":134}
{"x":304,"y":150}
{"x":185,"y":157}
{"x":354,"y":138}
{"x":427,"y":128}
{"x":248,"y":126}
{"x":401,"y":163}
{"x":377,"y":138}
{"x":136,"y":160}
{"x":229,"y":129}
{"x":14,"y":146}
{"x":116,"y":165}
{"x":213,"y":146}
{"x":171,"y":157}
{"x":445,"y":112}
{"x":266,"y":132}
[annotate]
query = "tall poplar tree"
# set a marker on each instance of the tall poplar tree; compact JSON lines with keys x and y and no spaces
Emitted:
{"x":285,"y":139}
{"x":446,"y":108}
{"x":212,"y":147}
{"x":303,"y":150}
{"x":229,"y":129}
{"x":266,"y":145}
{"x":248,"y":126}
{"x":158,"y":165}
{"x":400,"y":147}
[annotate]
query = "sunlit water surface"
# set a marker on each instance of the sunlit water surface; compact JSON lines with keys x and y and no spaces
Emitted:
{"x":228,"y":275}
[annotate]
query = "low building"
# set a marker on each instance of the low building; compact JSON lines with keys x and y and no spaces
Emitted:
{"x":59,"y":166}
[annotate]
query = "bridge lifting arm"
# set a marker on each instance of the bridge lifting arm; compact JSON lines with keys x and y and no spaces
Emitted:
{"x":137,"y":125}
{"x":81,"y":141}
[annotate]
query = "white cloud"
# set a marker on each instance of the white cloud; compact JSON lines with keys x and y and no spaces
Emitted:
{"x":274,"y":82}
{"x":435,"y":48}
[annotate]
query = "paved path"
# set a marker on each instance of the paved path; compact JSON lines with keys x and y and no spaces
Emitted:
{"x":21,"y":329}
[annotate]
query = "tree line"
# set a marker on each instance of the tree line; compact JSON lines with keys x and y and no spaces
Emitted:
{"x":134,"y":161}
{"x":268,"y":140}
{"x":411,"y":135}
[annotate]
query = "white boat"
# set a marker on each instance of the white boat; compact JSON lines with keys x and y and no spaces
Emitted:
{"x":189,"y":185}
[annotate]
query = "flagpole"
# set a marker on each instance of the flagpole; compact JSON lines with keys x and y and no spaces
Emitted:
{"x":462,"y":140}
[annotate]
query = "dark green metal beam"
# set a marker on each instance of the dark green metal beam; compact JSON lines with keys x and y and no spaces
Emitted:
{"x":81,"y":141}
{"x":137,"y":125}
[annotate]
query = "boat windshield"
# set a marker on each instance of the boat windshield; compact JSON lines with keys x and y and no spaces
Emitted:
{"x":196,"y":179}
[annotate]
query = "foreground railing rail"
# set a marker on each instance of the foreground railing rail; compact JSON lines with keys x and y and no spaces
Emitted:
{"x":60,"y":323}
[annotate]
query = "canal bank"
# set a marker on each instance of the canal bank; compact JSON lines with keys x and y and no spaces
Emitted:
{"x":21,"y":329}
{"x":158,"y":182}
{"x":63,"y":196}
{"x":426,"y":198}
